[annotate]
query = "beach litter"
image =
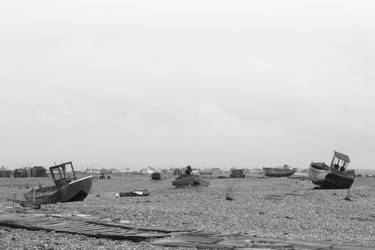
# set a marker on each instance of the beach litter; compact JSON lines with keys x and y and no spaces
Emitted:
{"x":133,"y":193}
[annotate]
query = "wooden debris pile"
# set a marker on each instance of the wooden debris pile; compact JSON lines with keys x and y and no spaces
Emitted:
{"x":138,"y":192}
{"x":86,"y":226}
{"x":209,"y":241}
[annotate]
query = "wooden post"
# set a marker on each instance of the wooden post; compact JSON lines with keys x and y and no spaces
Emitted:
{"x":33,"y":195}
{"x":333,"y":160}
{"x":14,"y":201}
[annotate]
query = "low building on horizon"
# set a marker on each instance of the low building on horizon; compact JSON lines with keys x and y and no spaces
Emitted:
{"x":5,"y":173}
{"x":20,"y":172}
{"x":38,"y":171}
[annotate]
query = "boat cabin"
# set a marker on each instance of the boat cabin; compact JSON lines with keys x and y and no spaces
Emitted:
{"x":63,"y":173}
{"x":340,"y":161}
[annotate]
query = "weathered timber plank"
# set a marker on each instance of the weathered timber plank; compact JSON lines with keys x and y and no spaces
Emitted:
{"x":59,"y":225}
{"x":233,"y":243}
{"x":88,"y":228}
{"x":52,"y":222}
{"x":28,"y":227}
{"x":174,"y":242}
{"x":309,"y":245}
{"x":200,"y":239}
{"x":70,"y":227}
{"x":113,"y":224}
{"x":343,"y":247}
{"x":152,"y":235}
{"x":39,"y":219}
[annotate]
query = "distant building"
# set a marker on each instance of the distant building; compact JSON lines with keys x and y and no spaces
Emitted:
{"x":92,"y":171}
{"x":104,"y":171}
{"x":38,"y":171}
{"x":6,"y":173}
{"x":166,"y":171}
{"x":148,"y":170}
{"x":237,"y":173}
{"x":211,"y":171}
{"x":20,"y":173}
{"x":114,"y":171}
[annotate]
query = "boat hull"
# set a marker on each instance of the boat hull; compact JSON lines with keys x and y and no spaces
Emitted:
{"x":189,"y":180}
{"x":279,"y":172}
{"x":318,"y":173}
{"x":42,"y":195}
{"x":339,"y":179}
{"x":328,"y":178}
{"x":76,"y":190}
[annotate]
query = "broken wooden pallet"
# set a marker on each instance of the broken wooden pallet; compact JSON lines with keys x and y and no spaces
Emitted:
{"x":130,"y":227}
{"x":88,"y":227}
{"x":238,"y":242}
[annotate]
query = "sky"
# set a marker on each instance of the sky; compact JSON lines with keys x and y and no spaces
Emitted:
{"x":248,"y":84}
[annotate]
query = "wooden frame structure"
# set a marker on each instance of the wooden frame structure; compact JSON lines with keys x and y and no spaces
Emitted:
{"x":59,"y":173}
{"x":339,"y":161}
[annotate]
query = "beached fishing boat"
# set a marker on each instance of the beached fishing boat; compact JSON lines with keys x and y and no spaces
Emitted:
{"x":67,"y":187}
{"x":335,"y":176}
{"x":189,"y":180}
{"x":318,"y":172}
{"x":283,"y":171}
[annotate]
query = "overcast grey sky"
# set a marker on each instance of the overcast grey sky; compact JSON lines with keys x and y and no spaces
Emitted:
{"x":206,"y":83}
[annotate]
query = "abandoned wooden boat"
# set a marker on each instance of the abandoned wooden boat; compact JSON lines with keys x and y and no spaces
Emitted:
{"x":67,"y":187}
{"x":189,"y":180}
{"x":334,"y":176}
{"x":283,"y":171}
{"x":318,"y":172}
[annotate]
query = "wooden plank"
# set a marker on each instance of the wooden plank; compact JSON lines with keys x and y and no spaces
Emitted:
{"x":59,"y":225}
{"x":70,"y":227}
{"x":39,"y":219}
{"x":200,"y":239}
{"x":152,"y":235}
{"x":103,"y":230}
{"x":144,"y":228}
{"x":88,"y":228}
{"x":344,"y":247}
{"x":28,"y":227}
{"x":51,"y":222}
{"x":309,"y":245}
{"x":234,"y":243}
{"x":177,"y":242}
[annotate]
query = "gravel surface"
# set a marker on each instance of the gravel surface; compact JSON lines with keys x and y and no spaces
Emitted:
{"x":268,"y":207}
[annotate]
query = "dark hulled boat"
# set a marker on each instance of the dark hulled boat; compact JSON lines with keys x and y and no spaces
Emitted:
{"x":189,"y":180}
{"x":335,"y":176}
{"x":67,"y":187}
{"x":283,"y":171}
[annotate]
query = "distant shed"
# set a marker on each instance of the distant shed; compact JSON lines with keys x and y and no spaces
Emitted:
{"x":5,"y":173}
{"x":38,"y":171}
{"x":156,"y":176}
{"x":20,"y":173}
{"x":237,"y":173}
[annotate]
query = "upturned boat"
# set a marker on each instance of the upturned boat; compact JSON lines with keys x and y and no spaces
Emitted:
{"x":283,"y":171}
{"x":335,"y":176}
{"x":67,"y":187}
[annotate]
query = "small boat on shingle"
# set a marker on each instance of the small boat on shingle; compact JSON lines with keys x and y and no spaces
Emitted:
{"x":335,"y":176}
{"x":67,"y":187}
{"x":283,"y":171}
{"x":189,"y":180}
